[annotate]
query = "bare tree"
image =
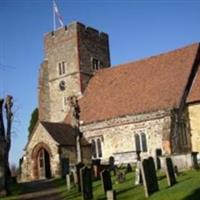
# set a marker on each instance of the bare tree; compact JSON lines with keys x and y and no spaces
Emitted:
{"x":5,"y":143}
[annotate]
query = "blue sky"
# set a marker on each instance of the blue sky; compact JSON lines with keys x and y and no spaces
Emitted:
{"x":137,"y":29}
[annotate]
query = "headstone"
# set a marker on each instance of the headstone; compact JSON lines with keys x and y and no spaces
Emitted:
{"x":120,"y":177}
{"x":171,"y":179}
{"x":78,"y":167}
{"x":112,"y":166}
{"x":138,"y":173}
{"x":68,"y":182}
{"x":65,"y":166}
{"x":158,"y":153}
{"x":111,"y":195}
{"x":128,"y":168}
{"x":106,"y":180}
{"x":194,"y":160}
{"x":149,"y":176}
{"x":86,"y":183}
{"x":176,"y":171}
{"x":96,"y":168}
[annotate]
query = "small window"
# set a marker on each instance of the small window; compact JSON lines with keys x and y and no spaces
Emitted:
{"x":140,"y":142}
{"x":96,"y":148}
{"x":99,"y":148}
{"x":144,"y":142}
{"x":61,"y":68}
{"x":137,"y":142}
{"x":96,"y":64}
{"x":94,"y":154}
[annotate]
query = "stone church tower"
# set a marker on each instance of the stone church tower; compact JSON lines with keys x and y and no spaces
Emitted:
{"x":72,"y":55}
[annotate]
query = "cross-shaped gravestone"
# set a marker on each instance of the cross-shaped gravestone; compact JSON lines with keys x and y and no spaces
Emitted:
{"x":106,"y":180}
{"x":149,"y":176}
{"x":169,"y":168}
{"x":86,"y":183}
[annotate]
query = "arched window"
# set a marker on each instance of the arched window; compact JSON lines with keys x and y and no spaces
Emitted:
{"x":96,"y":148}
{"x":99,"y":148}
{"x":144,"y":142}
{"x":137,"y":142}
{"x":94,"y":153}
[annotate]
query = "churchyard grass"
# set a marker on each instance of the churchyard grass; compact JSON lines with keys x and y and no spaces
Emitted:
{"x":187,"y":188}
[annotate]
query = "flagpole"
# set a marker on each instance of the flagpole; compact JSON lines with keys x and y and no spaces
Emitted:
{"x":54,"y":16}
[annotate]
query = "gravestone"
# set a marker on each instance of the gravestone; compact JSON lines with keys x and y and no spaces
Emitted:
{"x":169,"y":168}
{"x":158,"y":153}
{"x":78,"y":168}
{"x":194,"y":160}
{"x":111,"y":195}
{"x":149,"y":176}
{"x":106,"y":180}
{"x":68,"y":182}
{"x":65,"y":166}
{"x":138,"y":173}
{"x":112,"y":166}
{"x":86,"y":183}
{"x":128,"y":168}
{"x":121,"y":177}
{"x":96,"y":167}
{"x":176,"y":171}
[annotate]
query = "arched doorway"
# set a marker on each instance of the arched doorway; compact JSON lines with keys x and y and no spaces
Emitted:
{"x":43,"y":163}
{"x":41,"y":156}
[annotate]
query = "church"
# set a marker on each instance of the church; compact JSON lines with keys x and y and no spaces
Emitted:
{"x":150,"y":105}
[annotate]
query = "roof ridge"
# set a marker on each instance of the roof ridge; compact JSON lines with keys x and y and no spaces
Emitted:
{"x":146,"y":58}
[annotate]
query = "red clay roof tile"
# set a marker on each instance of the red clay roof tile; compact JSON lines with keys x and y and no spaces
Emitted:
{"x":143,"y":86}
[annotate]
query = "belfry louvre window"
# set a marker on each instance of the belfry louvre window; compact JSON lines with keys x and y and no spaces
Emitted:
{"x":140,"y":142}
{"x":96,"y":64}
{"x":96,"y":148}
{"x":61,"y":68}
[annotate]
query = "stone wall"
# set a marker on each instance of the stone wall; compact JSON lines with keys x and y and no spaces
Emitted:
{"x":118,"y":134}
{"x":40,"y":135}
{"x":194,"y":119}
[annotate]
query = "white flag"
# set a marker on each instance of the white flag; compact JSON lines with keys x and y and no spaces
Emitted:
{"x":56,"y":13}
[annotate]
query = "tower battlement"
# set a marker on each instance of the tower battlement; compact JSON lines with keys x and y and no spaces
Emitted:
{"x":72,"y":28}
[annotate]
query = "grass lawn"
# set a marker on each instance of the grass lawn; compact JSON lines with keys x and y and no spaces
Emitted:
{"x":187,"y":188}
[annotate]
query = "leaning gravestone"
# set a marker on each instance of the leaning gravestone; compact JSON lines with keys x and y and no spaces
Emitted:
{"x":171,"y":179}
{"x":149,"y":176}
{"x":106,"y":180}
{"x":78,"y":167}
{"x":86,"y":183}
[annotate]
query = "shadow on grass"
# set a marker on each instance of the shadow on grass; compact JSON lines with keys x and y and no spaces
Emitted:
{"x":124,"y":190}
{"x":194,"y":196}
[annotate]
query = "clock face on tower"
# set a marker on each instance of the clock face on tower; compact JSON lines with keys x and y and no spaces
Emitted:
{"x":62,"y":85}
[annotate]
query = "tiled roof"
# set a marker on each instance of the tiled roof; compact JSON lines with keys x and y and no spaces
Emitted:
{"x":143,"y":86}
{"x":194,"y":95}
{"x":62,"y":133}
